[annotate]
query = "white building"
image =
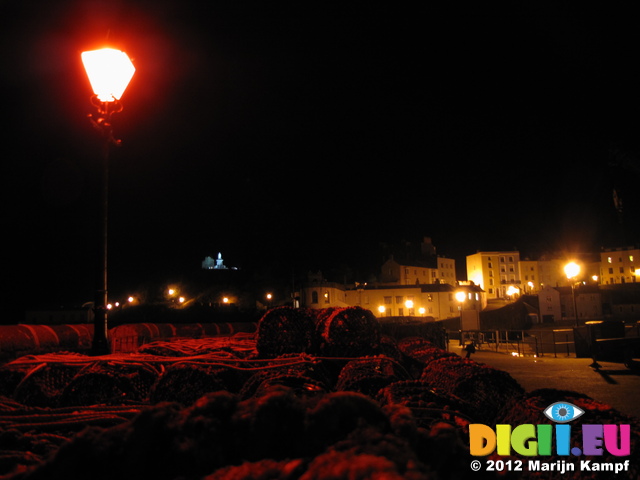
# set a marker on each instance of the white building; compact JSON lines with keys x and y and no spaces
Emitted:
{"x":438,"y":301}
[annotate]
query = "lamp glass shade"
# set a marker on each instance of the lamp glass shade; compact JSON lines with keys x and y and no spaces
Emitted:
{"x":109,"y":72}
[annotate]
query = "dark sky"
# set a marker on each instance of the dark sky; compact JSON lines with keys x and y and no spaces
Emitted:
{"x":294,"y":136}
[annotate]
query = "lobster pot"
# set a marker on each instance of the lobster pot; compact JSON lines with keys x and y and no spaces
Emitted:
{"x":303,"y":377}
{"x":10,"y":377}
{"x":530,"y":409}
{"x":187,"y":382}
{"x":283,"y":330}
{"x":422,"y":350}
{"x":109,"y":383}
{"x":44,"y":385}
{"x":347,"y":332}
{"x":369,"y":375}
{"x":426,"y":404}
{"x":486,"y":389}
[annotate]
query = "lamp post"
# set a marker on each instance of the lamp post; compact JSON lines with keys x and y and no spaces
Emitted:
{"x":460,"y":297}
{"x":572,"y":270}
{"x":109,"y":72}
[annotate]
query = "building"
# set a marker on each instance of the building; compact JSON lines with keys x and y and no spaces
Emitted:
{"x":619,"y":265}
{"x":549,"y":305}
{"x":437,"y":301}
{"x":210,"y":264}
{"x":418,"y":264}
{"x":495,"y":272}
{"x":587,"y":303}
{"x":436,"y":270}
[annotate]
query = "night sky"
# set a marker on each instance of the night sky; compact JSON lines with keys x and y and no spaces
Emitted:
{"x":293,"y":136}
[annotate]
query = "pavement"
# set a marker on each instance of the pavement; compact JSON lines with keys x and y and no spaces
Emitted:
{"x":612,"y":383}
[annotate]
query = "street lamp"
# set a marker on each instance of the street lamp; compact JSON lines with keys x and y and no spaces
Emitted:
{"x":460,"y":297}
{"x":109,"y":72}
{"x":572,"y":270}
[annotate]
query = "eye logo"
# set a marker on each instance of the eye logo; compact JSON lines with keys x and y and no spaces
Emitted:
{"x":562,"y":412}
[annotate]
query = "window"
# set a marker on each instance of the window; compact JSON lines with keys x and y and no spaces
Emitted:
{"x":608,"y":259}
{"x":399,"y":300}
{"x":387,"y":300}
{"x":314,"y":297}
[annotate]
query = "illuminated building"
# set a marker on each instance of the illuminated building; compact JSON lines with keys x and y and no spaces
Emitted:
{"x":495,"y":272}
{"x":619,"y":265}
{"x":435,"y":301}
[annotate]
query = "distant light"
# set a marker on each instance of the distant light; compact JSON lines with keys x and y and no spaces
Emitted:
{"x":408,"y":304}
{"x":461,"y":296}
{"x":572,"y":269}
{"x":130,"y":299}
{"x":109,"y":72}
{"x":382,"y":309}
{"x":225,"y":300}
{"x":422,"y":311}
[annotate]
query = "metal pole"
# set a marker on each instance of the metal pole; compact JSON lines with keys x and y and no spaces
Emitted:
{"x":100,"y":345}
{"x":575,"y":304}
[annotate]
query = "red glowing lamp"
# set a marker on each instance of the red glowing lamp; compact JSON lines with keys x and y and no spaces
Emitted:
{"x":109,"y":72}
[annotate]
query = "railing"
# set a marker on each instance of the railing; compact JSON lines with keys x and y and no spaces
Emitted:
{"x":538,"y":343}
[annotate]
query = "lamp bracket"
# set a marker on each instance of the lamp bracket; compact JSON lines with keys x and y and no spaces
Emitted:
{"x":102,"y":120}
